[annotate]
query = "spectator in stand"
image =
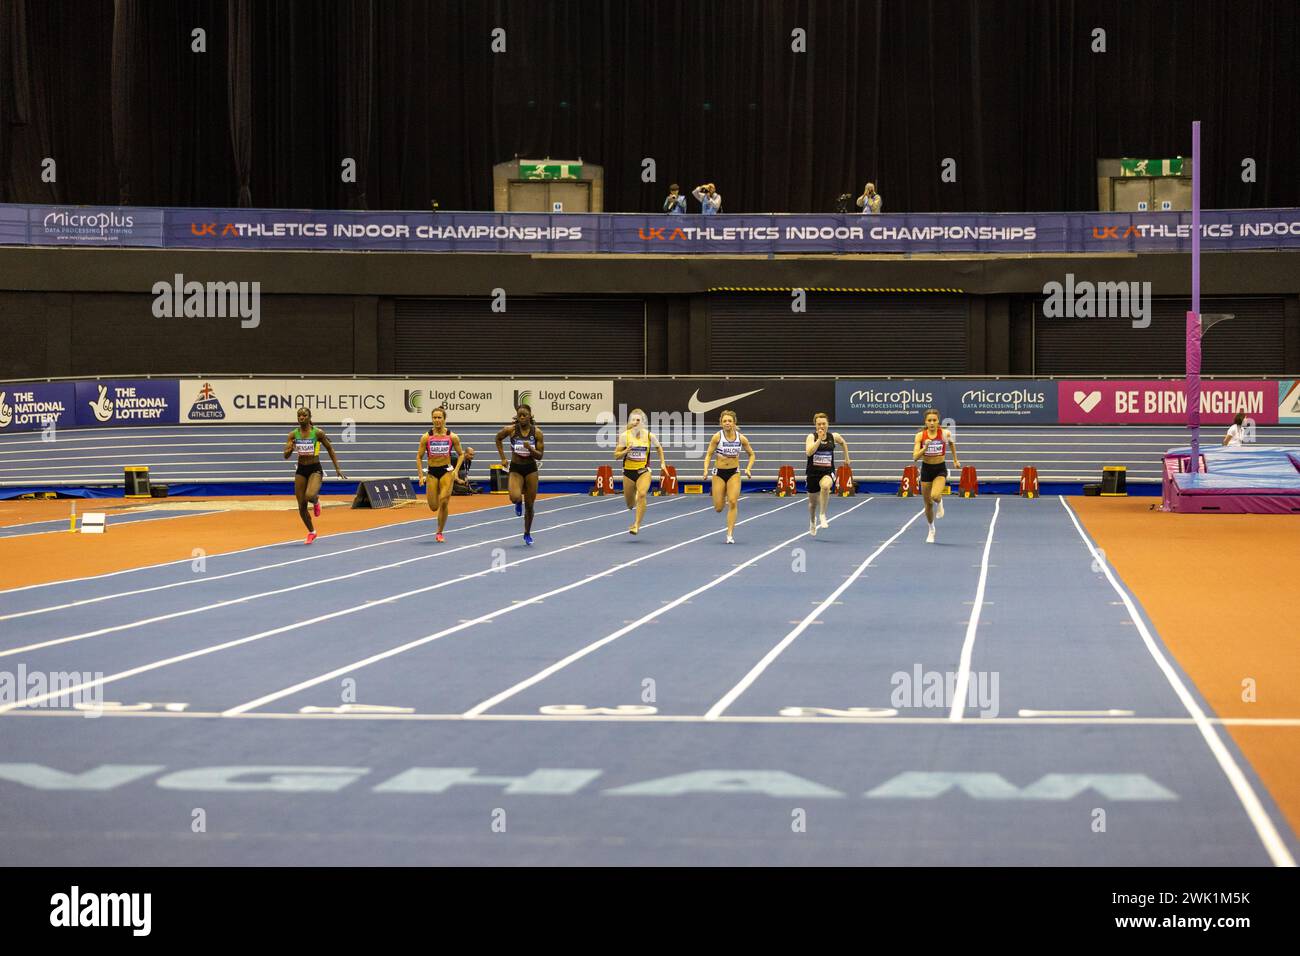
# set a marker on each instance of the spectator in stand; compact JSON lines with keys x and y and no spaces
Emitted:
{"x":1236,"y":436}
{"x":709,"y":198}
{"x":870,"y":201}
{"x":675,"y":204}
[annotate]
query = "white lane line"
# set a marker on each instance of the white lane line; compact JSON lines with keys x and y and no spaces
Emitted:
{"x":482,"y":619}
{"x":1268,"y":834}
{"x":730,"y":696}
{"x":224,"y":554}
{"x":1075,"y":713}
{"x":317,"y":582}
{"x":559,"y":665}
{"x":261,"y":635}
{"x":119,"y":521}
{"x":939,"y":722}
{"x":205,"y":578}
{"x":968,"y":646}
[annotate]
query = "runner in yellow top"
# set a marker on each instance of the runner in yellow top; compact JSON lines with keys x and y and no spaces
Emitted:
{"x":728,"y":443}
{"x":634,"y":448}
{"x":436,"y":445}
{"x":931,"y":448}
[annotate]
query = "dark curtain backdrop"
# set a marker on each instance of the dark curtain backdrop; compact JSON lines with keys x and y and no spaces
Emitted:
{"x":711,"y":91}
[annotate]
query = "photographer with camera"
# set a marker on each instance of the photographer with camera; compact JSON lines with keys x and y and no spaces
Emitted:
{"x":675,"y":204}
{"x":709,"y":198}
{"x":870,"y":201}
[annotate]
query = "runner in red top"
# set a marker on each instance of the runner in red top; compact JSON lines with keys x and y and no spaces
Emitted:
{"x":931,"y":449}
{"x":437,"y":445}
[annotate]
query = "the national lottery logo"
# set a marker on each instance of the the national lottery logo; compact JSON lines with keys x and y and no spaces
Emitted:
{"x":6,"y":412}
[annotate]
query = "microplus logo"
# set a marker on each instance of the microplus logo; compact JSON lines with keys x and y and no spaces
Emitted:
{"x":103,"y":909}
{"x":1100,"y":300}
{"x":211,"y":300}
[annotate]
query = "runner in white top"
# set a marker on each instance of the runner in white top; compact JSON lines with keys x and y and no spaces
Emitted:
{"x":728,"y":443}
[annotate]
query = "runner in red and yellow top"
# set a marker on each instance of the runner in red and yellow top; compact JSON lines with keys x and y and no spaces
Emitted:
{"x":436,"y":445}
{"x":306,"y":440}
{"x":634,"y":448}
{"x":931,"y":449}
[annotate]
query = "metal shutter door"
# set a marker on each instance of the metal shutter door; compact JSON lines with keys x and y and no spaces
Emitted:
{"x":550,"y":336}
{"x":840,"y":334}
{"x":1250,"y":344}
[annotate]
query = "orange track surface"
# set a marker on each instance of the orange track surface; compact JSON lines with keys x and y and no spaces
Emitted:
{"x":39,"y":558}
{"x":1220,"y":590}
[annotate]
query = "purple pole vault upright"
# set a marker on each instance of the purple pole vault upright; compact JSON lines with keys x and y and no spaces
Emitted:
{"x":1193,"y":386}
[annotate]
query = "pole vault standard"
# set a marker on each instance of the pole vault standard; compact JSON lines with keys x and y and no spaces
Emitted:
{"x":1193,"y":383}
{"x":1197,"y":324}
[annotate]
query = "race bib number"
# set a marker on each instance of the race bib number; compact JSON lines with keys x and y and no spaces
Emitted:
{"x":638,"y":453}
{"x":522,"y":448}
{"x":305,"y":446}
{"x":823,"y":459}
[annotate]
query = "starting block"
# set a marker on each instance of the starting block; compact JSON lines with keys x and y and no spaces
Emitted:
{"x":970,"y":486}
{"x":844,"y":482}
{"x":910,"y":485}
{"x":668,"y":481}
{"x":604,"y":481}
{"x":94,"y":522}
{"x":785,"y":482}
{"x":1029,"y":482}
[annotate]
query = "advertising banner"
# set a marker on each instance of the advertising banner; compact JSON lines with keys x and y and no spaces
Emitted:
{"x":1152,"y":402}
{"x":755,"y":401}
{"x":490,"y":401}
{"x":94,"y":226}
{"x":1288,"y":401}
{"x":966,"y":401}
{"x":762,"y":234}
{"x":127,"y":402}
{"x":29,"y":407}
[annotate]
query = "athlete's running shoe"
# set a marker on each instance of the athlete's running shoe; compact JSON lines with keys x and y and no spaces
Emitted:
{"x":929,"y":538}
{"x":315,"y":508}
{"x":438,"y":537}
{"x":310,"y":537}
{"x":528,"y":539}
{"x":519,"y":508}
{"x":633,"y":530}
{"x":939,"y":511}
{"x":824,"y":523}
{"x":730,"y":540}
{"x":812,"y":527}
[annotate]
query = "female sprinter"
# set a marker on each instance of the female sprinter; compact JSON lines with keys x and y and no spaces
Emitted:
{"x":307,"y":440}
{"x":931,"y":448}
{"x":820,"y":449}
{"x":436,"y":444}
{"x":526,"y":450}
{"x":726,"y":480}
{"x":634,"y":448}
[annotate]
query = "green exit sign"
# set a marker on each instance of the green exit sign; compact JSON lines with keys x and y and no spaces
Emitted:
{"x":550,"y":170}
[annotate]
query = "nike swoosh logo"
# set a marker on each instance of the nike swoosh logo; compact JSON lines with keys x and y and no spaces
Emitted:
{"x":699,"y":407}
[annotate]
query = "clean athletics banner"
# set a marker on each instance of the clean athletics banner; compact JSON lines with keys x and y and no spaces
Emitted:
{"x":572,"y":401}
